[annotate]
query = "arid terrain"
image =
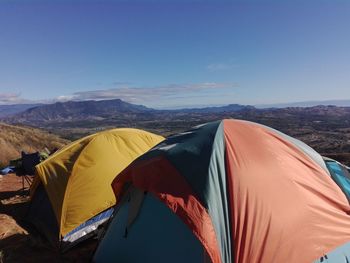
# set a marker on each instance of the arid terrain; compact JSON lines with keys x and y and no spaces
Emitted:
{"x":14,"y":139}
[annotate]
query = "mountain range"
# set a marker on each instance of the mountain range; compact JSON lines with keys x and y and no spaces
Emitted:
{"x":326,"y":128}
{"x":90,"y":114}
{"x":73,"y":111}
{"x":339,"y":103}
{"x":8,"y":110}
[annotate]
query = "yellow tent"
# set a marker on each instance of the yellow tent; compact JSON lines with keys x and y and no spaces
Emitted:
{"x":78,"y":178}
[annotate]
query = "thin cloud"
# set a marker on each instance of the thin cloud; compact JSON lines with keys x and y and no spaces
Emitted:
{"x":64,"y":98}
{"x":173,"y":95}
{"x":119,"y":83}
{"x":16,"y":98}
{"x":152,"y":95}
{"x":11,"y":98}
{"x":221,"y":67}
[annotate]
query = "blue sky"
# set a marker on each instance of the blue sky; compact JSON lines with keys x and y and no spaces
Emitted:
{"x":167,"y":54}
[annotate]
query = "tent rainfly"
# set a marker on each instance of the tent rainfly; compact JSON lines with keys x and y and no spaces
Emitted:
{"x":71,"y":194}
{"x":228,"y":191}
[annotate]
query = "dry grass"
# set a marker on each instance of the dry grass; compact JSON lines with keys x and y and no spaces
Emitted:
{"x":14,"y":139}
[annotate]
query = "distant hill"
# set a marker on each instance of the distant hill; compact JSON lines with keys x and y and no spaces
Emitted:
{"x":219,"y":109}
{"x":14,"y":139}
{"x":339,"y":103}
{"x":87,"y":111}
{"x":76,"y":111}
{"x":8,"y":110}
{"x":92,"y":114}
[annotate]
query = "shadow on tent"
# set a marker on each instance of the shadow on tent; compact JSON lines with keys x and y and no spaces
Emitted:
{"x":42,"y":217}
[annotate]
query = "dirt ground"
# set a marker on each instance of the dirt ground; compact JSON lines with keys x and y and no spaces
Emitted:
{"x":21,"y":243}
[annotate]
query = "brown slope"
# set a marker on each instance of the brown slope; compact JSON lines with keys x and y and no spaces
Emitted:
{"x":14,"y":139}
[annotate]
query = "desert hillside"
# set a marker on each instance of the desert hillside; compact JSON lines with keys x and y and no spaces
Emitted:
{"x":14,"y":139}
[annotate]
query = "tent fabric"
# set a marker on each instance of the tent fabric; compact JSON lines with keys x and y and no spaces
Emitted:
{"x":306,"y":149}
{"x":42,"y":217}
{"x":177,"y":195}
{"x":85,"y":228}
{"x":275,"y":201}
{"x":77,"y":178}
{"x":339,"y":255}
{"x":150,"y":238}
{"x":7,"y":170}
{"x":279,"y":196}
{"x":340,"y":175}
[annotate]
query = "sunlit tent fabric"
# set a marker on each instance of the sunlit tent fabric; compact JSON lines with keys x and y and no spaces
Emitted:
{"x":339,"y":174}
{"x":228,"y":191}
{"x":73,"y":185}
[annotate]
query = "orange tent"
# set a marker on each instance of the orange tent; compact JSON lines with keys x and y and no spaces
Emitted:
{"x":235,"y":190}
